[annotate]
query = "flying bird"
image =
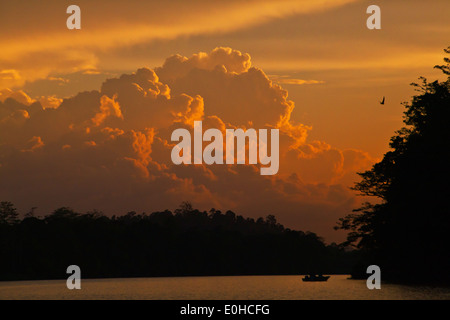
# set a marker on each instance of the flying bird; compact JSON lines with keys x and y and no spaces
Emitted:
{"x":382,"y":101}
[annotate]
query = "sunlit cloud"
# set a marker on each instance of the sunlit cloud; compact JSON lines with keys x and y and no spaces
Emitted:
{"x":290,"y":80}
{"x":10,"y":74}
{"x":110,"y":149}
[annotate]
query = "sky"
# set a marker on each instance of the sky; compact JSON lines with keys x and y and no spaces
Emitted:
{"x":86,"y":115}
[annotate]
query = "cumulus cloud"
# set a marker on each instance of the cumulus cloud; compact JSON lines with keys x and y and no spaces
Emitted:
{"x":110,"y":149}
{"x":19,"y":96}
{"x":225,"y":59}
{"x":108,"y":107}
{"x":23,"y":98}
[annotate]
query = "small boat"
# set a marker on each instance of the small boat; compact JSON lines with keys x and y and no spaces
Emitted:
{"x":313,"y":277}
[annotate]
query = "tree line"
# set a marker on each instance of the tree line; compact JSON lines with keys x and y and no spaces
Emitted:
{"x":186,"y":242}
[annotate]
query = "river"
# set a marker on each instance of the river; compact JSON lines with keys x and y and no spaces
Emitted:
{"x":218,"y":288}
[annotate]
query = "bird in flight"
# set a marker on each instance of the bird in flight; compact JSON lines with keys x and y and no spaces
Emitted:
{"x":382,"y":101}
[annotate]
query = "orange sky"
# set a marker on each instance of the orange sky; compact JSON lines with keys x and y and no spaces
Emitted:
{"x":331,"y":69}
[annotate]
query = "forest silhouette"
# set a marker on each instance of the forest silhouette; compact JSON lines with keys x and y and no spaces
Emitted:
{"x":406,"y":232}
{"x":186,"y":242}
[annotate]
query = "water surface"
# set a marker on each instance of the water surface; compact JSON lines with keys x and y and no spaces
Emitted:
{"x":215,"y":288}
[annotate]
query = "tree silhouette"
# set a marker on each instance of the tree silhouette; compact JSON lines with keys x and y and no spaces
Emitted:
{"x":186,"y":242}
{"x":407,"y":232}
{"x":8,"y":213}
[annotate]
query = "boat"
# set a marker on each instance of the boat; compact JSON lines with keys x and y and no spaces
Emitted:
{"x":313,"y":277}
